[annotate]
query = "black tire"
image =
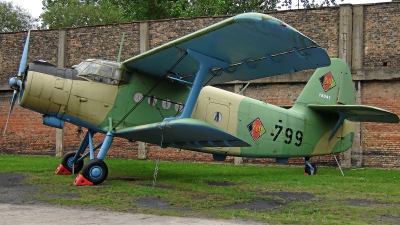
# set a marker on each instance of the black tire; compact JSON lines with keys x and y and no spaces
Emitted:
{"x":66,"y":162}
{"x":308,"y":170}
{"x":95,"y":171}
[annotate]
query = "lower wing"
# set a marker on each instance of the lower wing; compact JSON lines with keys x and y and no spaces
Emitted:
{"x":182,"y":133}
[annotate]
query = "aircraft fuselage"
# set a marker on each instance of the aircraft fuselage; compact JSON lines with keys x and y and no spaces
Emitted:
{"x":102,"y":105}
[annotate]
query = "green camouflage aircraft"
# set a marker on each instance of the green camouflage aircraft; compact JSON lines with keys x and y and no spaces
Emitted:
{"x":162,"y":97}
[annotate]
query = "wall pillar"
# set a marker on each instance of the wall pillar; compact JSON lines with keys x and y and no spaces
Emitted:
{"x":357,"y":64}
{"x":144,"y":46}
{"x":346,"y":32}
{"x":144,"y":37}
{"x":142,"y":151}
{"x":61,"y":59}
{"x":351,"y":50}
{"x":345,"y":46}
{"x":238,"y":160}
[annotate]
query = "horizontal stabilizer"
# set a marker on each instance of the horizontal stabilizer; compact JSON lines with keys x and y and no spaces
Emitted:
{"x":182,"y":133}
{"x":359,"y":113}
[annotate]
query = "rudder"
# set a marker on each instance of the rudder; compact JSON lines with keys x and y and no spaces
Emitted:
{"x":329,"y":85}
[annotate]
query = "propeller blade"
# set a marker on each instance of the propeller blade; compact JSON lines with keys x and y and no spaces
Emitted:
{"x":24,"y":56}
{"x":14,"y":98}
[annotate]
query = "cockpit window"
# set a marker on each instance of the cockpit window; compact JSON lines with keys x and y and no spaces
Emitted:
{"x":82,"y":66}
{"x":116,"y":74}
{"x":103,"y":71}
{"x":91,"y":69}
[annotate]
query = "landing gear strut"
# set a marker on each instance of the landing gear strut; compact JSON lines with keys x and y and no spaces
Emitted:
{"x":310,"y":168}
{"x":95,"y":171}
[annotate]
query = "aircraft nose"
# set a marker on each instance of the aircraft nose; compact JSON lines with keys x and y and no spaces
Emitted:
{"x":15,"y":83}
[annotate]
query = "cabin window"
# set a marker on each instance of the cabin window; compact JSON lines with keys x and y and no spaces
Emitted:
{"x":178,"y":107}
{"x":217,"y":116}
{"x":152,"y":100}
{"x":137,"y":97}
{"x":82,"y":66}
{"x":116,"y":74}
{"x":166,"y":104}
{"x":91,"y":69}
{"x":103,"y":71}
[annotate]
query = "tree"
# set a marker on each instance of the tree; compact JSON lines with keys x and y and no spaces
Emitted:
{"x":14,"y":18}
{"x":227,"y":7}
{"x":151,"y":9}
{"x":74,"y":13}
{"x":163,"y":9}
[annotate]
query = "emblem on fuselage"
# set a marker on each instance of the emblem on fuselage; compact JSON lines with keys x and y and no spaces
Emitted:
{"x":256,"y":129}
{"x":327,"y":81}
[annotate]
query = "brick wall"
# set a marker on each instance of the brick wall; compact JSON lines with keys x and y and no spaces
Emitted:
{"x":27,"y":135}
{"x":43,"y":45}
{"x":102,"y":42}
{"x":380,"y":142}
{"x":164,"y":31}
{"x":381,"y":35}
{"x":321,"y":25}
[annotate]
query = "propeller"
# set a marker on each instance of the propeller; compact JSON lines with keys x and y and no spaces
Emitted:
{"x":16,"y":82}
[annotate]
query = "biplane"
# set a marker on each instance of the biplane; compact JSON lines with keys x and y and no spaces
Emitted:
{"x":165,"y":97}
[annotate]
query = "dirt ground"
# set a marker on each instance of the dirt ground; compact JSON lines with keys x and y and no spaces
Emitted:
{"x":16,"y":209}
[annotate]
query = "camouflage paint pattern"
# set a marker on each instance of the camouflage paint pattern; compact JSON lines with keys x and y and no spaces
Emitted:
{"x":270,"y":130}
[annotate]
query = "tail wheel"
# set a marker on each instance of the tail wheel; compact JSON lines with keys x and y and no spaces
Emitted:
{"x":95,"y":171}
{"x":66,"y":161}
{"x":307,"y":169}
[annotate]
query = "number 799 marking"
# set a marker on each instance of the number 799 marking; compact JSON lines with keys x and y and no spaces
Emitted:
{"x":289,"y":135}
{"x":279,"y":127}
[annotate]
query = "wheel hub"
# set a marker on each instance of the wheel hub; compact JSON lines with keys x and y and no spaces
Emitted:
{"x":71,"y":164}
{"x":96,"y":172}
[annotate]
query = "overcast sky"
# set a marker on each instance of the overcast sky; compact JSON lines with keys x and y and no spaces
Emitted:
{"x":35,"y":6}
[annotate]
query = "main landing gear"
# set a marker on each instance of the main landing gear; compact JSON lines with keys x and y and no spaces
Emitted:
{"x":95,"y":171}
{"x":310,"y":168}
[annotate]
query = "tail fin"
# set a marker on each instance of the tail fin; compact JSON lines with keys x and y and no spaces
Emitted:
{"x":330,"y":90}
{"x":331,"y":85}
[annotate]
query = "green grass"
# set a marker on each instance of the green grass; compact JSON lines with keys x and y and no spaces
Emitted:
{"x":184,"y":187}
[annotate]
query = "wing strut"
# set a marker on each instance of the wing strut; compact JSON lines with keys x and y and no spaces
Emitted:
{"x":342,"y":117}
{"x":206,"y":63}
{"x":148,"y":92}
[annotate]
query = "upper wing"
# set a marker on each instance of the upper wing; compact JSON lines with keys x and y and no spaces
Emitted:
{"x":182,"y":133}
{"x":360,"y":113}
{"x":255,"y":45}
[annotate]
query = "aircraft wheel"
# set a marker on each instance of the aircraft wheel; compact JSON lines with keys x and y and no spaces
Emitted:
{"x":307,"y":169}
{"x":66,"y":161}
{"x":95,"y":171}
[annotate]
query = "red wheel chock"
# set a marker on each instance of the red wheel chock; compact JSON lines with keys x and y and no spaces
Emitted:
{"x":62,"y":171}
{"x":81,"y":181}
